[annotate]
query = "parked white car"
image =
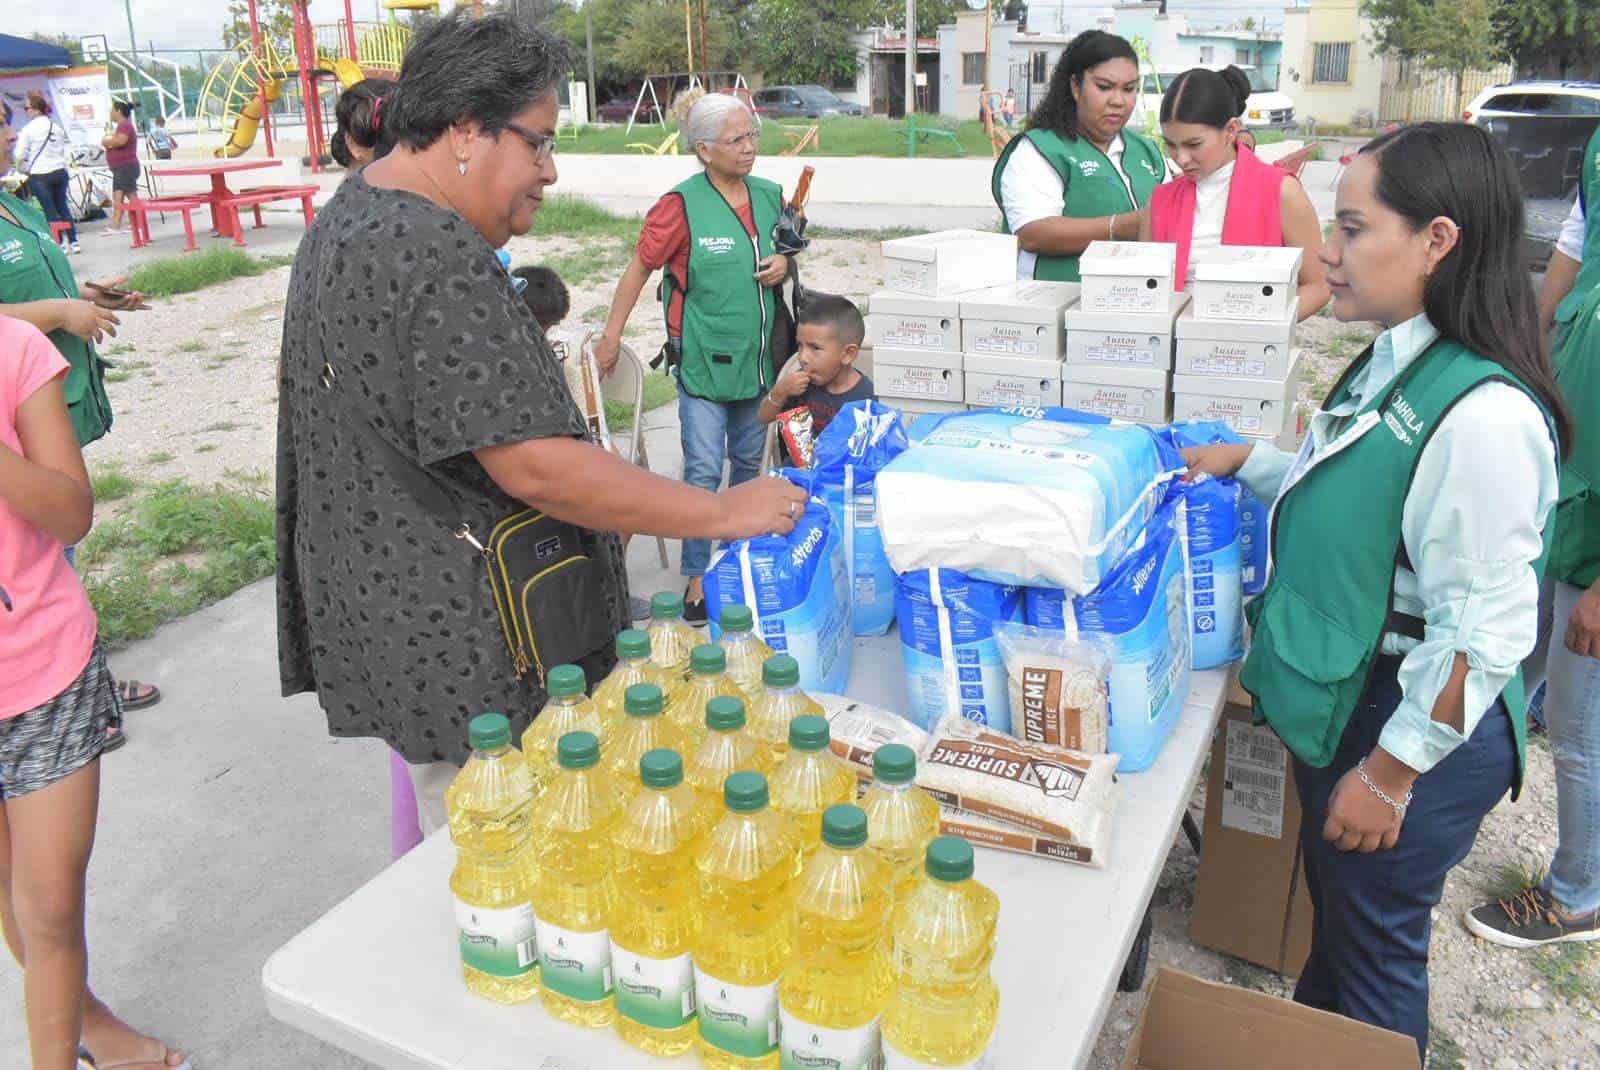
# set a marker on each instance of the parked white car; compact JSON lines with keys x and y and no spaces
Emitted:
{"x":1267,"y":109}
{"x":1534,"y":98}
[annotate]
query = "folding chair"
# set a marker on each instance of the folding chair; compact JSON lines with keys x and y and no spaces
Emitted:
{"x":625,"y":385}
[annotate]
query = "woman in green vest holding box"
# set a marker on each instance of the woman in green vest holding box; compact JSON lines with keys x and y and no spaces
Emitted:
{"x":1409,"y":536}
{"x":1077,"y":175}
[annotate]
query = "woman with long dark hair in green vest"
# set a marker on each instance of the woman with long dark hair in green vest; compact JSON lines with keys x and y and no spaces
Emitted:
{"x":1076,"y":175}
{"x":1409,"y":537}
{"x":713,"y":236}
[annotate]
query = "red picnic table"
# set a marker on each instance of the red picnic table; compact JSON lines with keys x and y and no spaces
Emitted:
{"x":219,"y":171}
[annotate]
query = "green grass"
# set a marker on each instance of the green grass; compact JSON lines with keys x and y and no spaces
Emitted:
{"x":184,"y":274}
{"x":1249,"y":975}
{"x":111,"y":485}
{"x":119,"y":348}
{"x":192,"y":347}
{"x":178,"y":549}
{"x":207,"y":448}
{"x":1505,"y":879}
{"x":569,"y":216}
{"x":1572,"y":971}
{"x":118,"y":377}
{"x":1445,"y":1052}
{"x":221,"y":425}
{"x":599,"y":258}
{"x":159,"y":457}
{"x":869,"y":136}
{"x":659,"y":389}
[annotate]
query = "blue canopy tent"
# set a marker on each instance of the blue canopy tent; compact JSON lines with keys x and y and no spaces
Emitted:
{"x":22,"y":54}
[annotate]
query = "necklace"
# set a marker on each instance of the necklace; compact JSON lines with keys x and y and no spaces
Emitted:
{"x":434,"y":183}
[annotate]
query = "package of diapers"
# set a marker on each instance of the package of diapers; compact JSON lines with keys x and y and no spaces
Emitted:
{"x":1253,"y":545}
{"x":1216,"y":593}
{"x":953,"y":663}
{"x":1142,"y":609}
{"x":798,"y":590}
{"x":1029,"y":496}
{"x":856,"y":445}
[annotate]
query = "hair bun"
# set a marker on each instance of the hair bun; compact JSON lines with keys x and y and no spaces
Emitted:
{"x":1239,"y":82}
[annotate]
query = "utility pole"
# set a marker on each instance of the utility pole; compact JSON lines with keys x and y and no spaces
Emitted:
{"x":133,"y":42}
{"x":588,"y":55}
{"x":911,"y":61}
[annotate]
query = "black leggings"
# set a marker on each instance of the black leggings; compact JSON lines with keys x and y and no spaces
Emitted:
{"x":51,"y":189}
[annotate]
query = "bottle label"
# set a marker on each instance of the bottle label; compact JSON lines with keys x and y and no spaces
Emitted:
{"x":658,"y":993}
{"x":575,"y":965}
{"x":739,"y":1019}
{"x":896,"y":1060}
{"x":501,"y":943}
{"x":811,"y":1047}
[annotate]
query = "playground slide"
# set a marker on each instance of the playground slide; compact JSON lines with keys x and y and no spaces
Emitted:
{"x":348,"y":72}
{"x":249,"y":121}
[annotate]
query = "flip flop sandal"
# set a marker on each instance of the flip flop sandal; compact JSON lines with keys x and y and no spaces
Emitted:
{"x":128,"y":692}
{"x":158,"y":1063}
{"x":115,"y":741}
{"x":85,"y":1060}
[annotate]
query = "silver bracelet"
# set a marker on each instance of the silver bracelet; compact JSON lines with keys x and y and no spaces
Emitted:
{"x":1399,"y":807}
{"x":1111,"y":226}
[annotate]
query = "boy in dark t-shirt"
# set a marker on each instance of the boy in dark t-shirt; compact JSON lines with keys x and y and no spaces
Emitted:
{"x":823,"y":376}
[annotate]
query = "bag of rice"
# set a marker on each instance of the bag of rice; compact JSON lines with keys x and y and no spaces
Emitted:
{"x":857,"y":730}
{"x":1059,"y":794}
{"x":1058,"y":686}
{"x":982,"y":832}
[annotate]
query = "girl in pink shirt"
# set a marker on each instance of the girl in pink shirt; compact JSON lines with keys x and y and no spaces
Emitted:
{"x":57,"y":700}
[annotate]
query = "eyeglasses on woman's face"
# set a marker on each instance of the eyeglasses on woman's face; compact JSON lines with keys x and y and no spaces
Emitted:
{"x":543,"y":145}
{"x":739,"y":141}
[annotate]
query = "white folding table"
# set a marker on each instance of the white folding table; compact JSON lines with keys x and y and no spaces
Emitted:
{"x":379,"y":975}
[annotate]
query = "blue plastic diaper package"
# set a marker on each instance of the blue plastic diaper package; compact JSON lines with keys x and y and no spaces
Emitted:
{"x":1253,"y":545}
{"x":1030,"y":496}
{"x":953,"y":662}
{"x":1216,"y":593}
{"x":1141,"y":608}
{"x":856,"y":445}
{"x":798,"y":589}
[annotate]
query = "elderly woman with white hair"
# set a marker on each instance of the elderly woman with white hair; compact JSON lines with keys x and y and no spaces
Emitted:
{"x":713,"y":235}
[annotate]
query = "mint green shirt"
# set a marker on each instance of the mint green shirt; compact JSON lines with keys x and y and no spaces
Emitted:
{"x":1484,"y":488}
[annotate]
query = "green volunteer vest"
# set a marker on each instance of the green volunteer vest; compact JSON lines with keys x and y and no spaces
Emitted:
{"x":1090,"y":184}
{"x":1575,"y":557}
{"x":33,"y":268}
{"x":727,"y":315}
{"x":1317,"y":628}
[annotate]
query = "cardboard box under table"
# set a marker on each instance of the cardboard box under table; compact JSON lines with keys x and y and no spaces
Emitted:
{"x":379,"y":975}
{"x":907,"y":321}
{"x":1260,"y":408}
{"x":1019,"y":319}
{"x":948,"y":262}
{"x":1225,"y":347}
{"x":1127,"y":276}
{"x":1246,"y":282}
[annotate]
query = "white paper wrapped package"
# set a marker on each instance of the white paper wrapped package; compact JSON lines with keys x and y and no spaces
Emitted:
{"x":1253,"y":545}
{"x":798,"y":589}
{"x":1216,"y":593}
{"x":1142,"y":608}
{"x":1032,"y":496}
{"x":953,"y":664}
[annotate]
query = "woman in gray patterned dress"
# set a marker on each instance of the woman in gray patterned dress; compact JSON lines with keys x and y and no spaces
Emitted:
{"x":402,"y":327}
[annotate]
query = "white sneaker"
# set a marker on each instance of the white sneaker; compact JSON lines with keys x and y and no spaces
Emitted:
{"x":115,"y":230}
{"x":76,"y":248}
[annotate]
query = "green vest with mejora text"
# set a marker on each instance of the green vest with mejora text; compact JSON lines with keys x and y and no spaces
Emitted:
{"x":1090,"y":185}
{"x":727,"y":314}
{"x":1317,"y":628}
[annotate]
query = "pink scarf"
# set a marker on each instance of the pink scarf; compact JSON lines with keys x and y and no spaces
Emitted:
{"x":1255,"y":194}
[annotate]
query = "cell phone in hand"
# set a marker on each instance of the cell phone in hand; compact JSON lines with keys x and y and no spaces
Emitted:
{"x":112,"y":292}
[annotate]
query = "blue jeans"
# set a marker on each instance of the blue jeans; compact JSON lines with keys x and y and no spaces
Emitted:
{"x":1373,"y":913}
{"x":51,"y":189}
{"x":713,"y":432}
{"x":1572,"y":719}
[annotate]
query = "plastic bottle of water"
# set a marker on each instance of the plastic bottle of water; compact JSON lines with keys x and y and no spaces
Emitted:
{"x":671,"y":637}
{"x":727,"y":749}
{"x":644,"y":730}
{"x":746,"y":650}
{"x":568,"y":710}
{"x":780,"y":702}
{"x":633,"y":667}
{"x":945,"y":1004}
{"x":488,"y":806}
{"x":810,"y":780}
{"x":708,"y":680}
{"x":902,"y":819}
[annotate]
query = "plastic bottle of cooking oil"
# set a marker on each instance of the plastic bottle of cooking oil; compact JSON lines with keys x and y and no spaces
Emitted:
{"x":488,"y":805}
{"x":633,"y":667}
{"x":568,"y":710}
{"x":654,"y":921}
{"x":810,"y":780}
{"x":573,"y":897}
{"x":945,"y":1004}
{"x":902,"y":819}
{"x":780,"y":702}
{"x":838,"y":983}
{"x":671,"y":637}
{"x":745,"y":649}
{"x":747,"y":871}
{"x":643,"y":730}
{"x":709,"y":678}
{"x":727,"y":749}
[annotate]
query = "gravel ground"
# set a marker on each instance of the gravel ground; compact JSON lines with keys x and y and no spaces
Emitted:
{"x":195,"y":398}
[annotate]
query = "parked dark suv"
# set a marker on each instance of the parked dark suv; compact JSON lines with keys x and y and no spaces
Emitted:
{"x":801,"y":102}
{"x":617,"y":110}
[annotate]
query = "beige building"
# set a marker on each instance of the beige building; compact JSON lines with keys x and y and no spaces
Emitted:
{"x":1329,"y":65}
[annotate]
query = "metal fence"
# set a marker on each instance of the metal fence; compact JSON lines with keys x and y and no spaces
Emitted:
{"x":1412,"y":93}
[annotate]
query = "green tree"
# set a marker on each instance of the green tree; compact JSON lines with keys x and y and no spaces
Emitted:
{"x":652,"y":40}
{"x":931,"y":14}
{"x":809,"y":40}
{"x":1453,"y":36}
{"x":1565,"y":33}
{"x":61,"y":40}
{"x":275,"y":17}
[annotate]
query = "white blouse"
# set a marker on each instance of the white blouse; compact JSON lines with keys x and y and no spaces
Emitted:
{"x":1210,"y":209}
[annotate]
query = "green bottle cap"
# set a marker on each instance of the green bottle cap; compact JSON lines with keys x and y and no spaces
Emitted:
{"x":808,"y":732}
{"x":894,"y":763}
{"x":666,"y":606}
{"x":781,"y":670}
{"x":488,"y":731}
{"x":708,"y":659}
{"x":724,"y":714}
{"x":643,"y":700}
{"x":578,"y":750}
{"x":949,"y":859}
{"x":745,"y":793}
{"x":844,"y":826}
{"x":565,"y":681}
{"x":661,"y":768}
{"x":633,"y":644}
{"x":737,"y":618}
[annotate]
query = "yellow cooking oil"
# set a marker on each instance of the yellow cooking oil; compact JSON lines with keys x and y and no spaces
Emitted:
{"x":834,"y":992}
{"x":708,"y":679}
{"x":811,"y":779}
{"x":727,"y":749}
{"x":488,"y":805}
{"x":945,"y":1003}
{"x":633,"y":667}
{"x":747,"y":871}
{"x":671,"y":637}
{"x":902,"y":819}
{"x":656,"y":915}
{"x":644,"y":729}
{"x":746,"y":651}
{"x":569,"y":710}
{"x":573,"y":822}
{"x":780,"y":702}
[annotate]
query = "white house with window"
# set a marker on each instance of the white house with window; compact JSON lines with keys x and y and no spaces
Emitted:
{"x":1329,"y":65}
